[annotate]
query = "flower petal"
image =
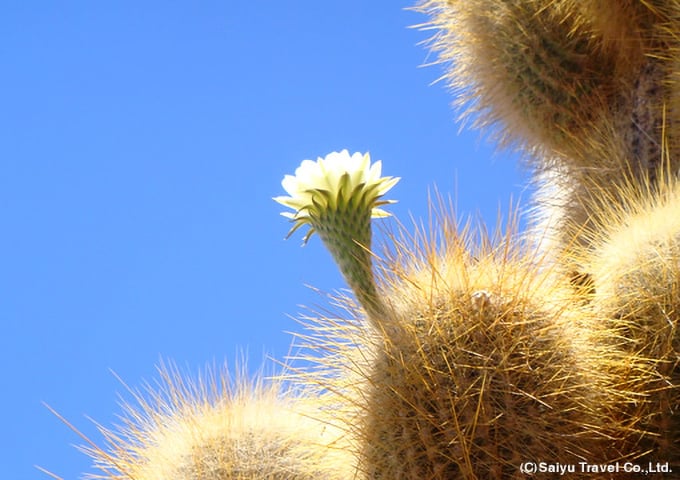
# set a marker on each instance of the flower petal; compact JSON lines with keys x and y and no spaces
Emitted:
{"x":338,"y":182}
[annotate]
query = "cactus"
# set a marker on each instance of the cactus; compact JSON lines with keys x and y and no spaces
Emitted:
{"x":480,"y":366}
{"x":475,"y":359}
{"x":222,"y":428}
{"x":479,"y":375}
{"x":635,"y":277}
{"x":584,"y":87}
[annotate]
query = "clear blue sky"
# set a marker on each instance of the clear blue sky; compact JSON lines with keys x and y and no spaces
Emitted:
{"x":140,"y":146}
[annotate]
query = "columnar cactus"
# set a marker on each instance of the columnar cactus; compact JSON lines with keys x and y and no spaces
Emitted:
{"x":587,"y":88}
{"x":635,"y":277}
{"x":223,"y":428}
{"x":474,"y":360}
{"x":483,"y":362}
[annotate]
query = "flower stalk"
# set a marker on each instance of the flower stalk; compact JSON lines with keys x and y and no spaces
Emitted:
{"x":336,"y":197}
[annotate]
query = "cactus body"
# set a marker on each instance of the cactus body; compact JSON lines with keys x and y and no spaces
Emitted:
{"x":587,"y":88}
{"x":482,"y":363}
{"x":220,"y":430}
{"x":635,"y":270}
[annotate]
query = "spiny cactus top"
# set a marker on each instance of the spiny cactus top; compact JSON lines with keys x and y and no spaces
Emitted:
{"x":336,"y":197}
{"x":588,"y":88}
{"x":221,"y":426}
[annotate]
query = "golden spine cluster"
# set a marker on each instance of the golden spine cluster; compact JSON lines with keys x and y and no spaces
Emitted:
{"x":587,"y":88}
{"x":479,"y":367}
{"x":635,"y":277}
{"x":222,"y":427}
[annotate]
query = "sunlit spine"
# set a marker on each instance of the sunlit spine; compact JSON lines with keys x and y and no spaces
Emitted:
{"x":222,"y":427}
{"x":634,"y":274}
{"x":480,"y":362}
{"x":584,"y":88}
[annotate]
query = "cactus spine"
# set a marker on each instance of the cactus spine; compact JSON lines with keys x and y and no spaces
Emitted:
{"x":484,"y":362}
{"x":635,"y":269}
{"x":223,"y":428}
{"x":584,"y":87}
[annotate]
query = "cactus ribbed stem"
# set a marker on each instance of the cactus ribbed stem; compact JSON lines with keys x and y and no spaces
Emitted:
{"x":337,"y":197}
{"x":587,"y":88}
{"x":347,"y":235}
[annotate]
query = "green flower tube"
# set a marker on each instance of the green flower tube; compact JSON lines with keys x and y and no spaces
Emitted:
{"x":336,"y":197}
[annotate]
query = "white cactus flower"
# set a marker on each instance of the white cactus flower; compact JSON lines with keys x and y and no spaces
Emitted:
{"x":336,"y":197}
{"x":338,"y":182}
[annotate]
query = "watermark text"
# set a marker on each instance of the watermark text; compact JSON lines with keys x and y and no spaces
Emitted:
{"x":531,"y":468}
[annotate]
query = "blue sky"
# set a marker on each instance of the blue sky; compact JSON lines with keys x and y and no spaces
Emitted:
{"x":140,"y":146}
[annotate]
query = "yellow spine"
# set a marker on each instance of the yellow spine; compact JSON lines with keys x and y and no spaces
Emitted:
{"x":584,"y":87}
{"x":635,"y":276}
{"x":483,"y":362}
{"x":222,"y":428}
